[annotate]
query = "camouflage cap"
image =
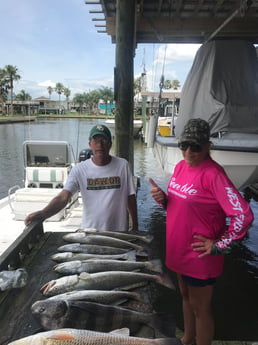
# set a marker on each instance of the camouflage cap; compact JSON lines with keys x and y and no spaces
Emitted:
{"x":100,"y":130}
{"x":197,"y":131}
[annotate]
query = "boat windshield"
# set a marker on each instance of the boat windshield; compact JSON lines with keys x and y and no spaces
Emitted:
{"x":50,"y":154}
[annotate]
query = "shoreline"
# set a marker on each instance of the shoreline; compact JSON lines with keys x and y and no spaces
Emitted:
{"x":15,"y":119}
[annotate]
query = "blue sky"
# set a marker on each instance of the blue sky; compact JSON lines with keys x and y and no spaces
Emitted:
{"x":54,"y":41}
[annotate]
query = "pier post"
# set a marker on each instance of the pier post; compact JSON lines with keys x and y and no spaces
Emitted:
{"x":124,"y":79}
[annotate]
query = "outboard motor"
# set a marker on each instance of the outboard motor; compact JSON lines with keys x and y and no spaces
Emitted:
{"x":85,"y":154}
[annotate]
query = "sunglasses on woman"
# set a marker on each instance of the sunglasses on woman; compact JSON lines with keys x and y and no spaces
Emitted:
{"x":193,"y":146}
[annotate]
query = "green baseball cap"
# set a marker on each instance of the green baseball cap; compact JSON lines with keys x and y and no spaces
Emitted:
{"x":100,"y":130}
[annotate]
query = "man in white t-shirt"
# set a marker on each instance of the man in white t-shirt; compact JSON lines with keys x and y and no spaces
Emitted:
{"x":106,"y":185}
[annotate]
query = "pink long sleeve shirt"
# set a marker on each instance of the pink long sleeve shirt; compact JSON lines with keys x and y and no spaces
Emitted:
{"x":199,"y":201}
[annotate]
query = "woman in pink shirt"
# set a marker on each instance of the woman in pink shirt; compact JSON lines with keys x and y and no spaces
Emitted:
{"x":199,"y":199}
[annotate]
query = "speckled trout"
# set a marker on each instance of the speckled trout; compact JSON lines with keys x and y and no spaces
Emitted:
{"x":70,"y":336}
{"x":128,"y":236}
{"x":113,"y":297}
{"x":95,"y":265}
{"x":91,"y":249}
{"x":118,"y":280}
{"x":82,"y":237}
{"x":70,"y":256}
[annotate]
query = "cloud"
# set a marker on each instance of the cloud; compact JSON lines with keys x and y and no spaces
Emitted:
{"x":47,"y":83}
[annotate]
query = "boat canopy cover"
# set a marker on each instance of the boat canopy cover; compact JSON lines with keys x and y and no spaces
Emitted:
{"x":222,"y":88}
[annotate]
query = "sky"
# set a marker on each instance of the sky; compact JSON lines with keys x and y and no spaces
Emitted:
{"x":54,"y":41}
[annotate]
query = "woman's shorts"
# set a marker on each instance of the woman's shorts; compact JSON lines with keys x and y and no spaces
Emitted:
{"x":198,"y":282}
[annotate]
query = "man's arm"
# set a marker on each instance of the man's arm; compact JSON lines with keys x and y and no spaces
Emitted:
{"x":53,"y":207}
{"x":132,"y":207}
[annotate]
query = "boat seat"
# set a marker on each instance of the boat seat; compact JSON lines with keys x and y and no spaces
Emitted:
{"x":27,"y":200}
{"x":45,"y":175}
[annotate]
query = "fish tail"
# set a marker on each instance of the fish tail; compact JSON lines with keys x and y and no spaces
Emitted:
{"x":155,"y":266}
{"x":166,"y":341}
{"x":148,"y":238}
{"x":137,"y":296}
{"x":164,"y":323}
{"x":166,"y":281}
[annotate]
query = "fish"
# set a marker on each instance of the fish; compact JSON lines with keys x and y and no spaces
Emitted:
{"x":91,"y":249}
{"x":118,"y":280}
{"x":82,"y":237}
{"x":71,"y":336}
{"x":128,"y":236}
{"x":54,"y":314}
{"x":113,"y":297}
{"x":70,"y":256}
{"x":95,"y":265}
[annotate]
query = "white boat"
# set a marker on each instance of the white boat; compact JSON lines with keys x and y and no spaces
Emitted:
{"x":221,"y":88}
{"x":46,"y":166}
{"x":137,"y":127}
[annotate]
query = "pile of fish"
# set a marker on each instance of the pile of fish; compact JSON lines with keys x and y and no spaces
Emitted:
{"x":97,"y":272}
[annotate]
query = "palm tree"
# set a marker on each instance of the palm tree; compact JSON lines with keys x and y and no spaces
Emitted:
{"x":175,"y":84}
{"x":79,"y":99}
{"x":93,"y":99}
{"x":50,"y":90}
{"x":167,"y":84}
{"x":67,"y":93}
{"x":4,"y":86}
{"x":107,"y":95}
{"x":24,"y":96}
{"x":59,"y":89}
{"x":12,"y":75}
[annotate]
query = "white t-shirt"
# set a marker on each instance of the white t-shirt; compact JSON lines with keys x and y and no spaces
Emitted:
{"x":105,"y":190}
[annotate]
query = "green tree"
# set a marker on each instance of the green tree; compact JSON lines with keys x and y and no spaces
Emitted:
{"x":107,"y":95}
{"x":171,"y":84}
{"x":93,"y":100}
{"x":67,"y":93}
{"x":175,"y":84}
{"x":137,"y":85}
{"x":50,"y":90}
{"x":59,"y":88}
{"x":79,"y":99}
{"x":12,"y":75}
{"x":23,"y":96}
{"x":167,"y":84}
{"x":4,"y":86}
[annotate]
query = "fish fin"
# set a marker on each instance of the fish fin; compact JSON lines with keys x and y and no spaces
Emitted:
{"x":131,"y":255}
{"x":123,"y":331}
{"x":142,"y":254}
{"x":62,"y":336}
{"x":84,"y":275}
{"x":131,"y":286}
{"x":166,"y":281}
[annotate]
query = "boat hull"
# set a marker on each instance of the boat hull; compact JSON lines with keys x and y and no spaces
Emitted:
{"x":137,"y":126}
{"x":239,"y":162}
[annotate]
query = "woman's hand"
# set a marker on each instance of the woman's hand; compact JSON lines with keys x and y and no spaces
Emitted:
{"x":204,"y":245}
{"x":157,"y":193}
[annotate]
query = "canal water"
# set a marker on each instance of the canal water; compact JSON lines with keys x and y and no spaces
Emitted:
{"x":236,"y":293}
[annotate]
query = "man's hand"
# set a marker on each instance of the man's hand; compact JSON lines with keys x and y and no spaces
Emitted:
{"x":35,"y":216}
